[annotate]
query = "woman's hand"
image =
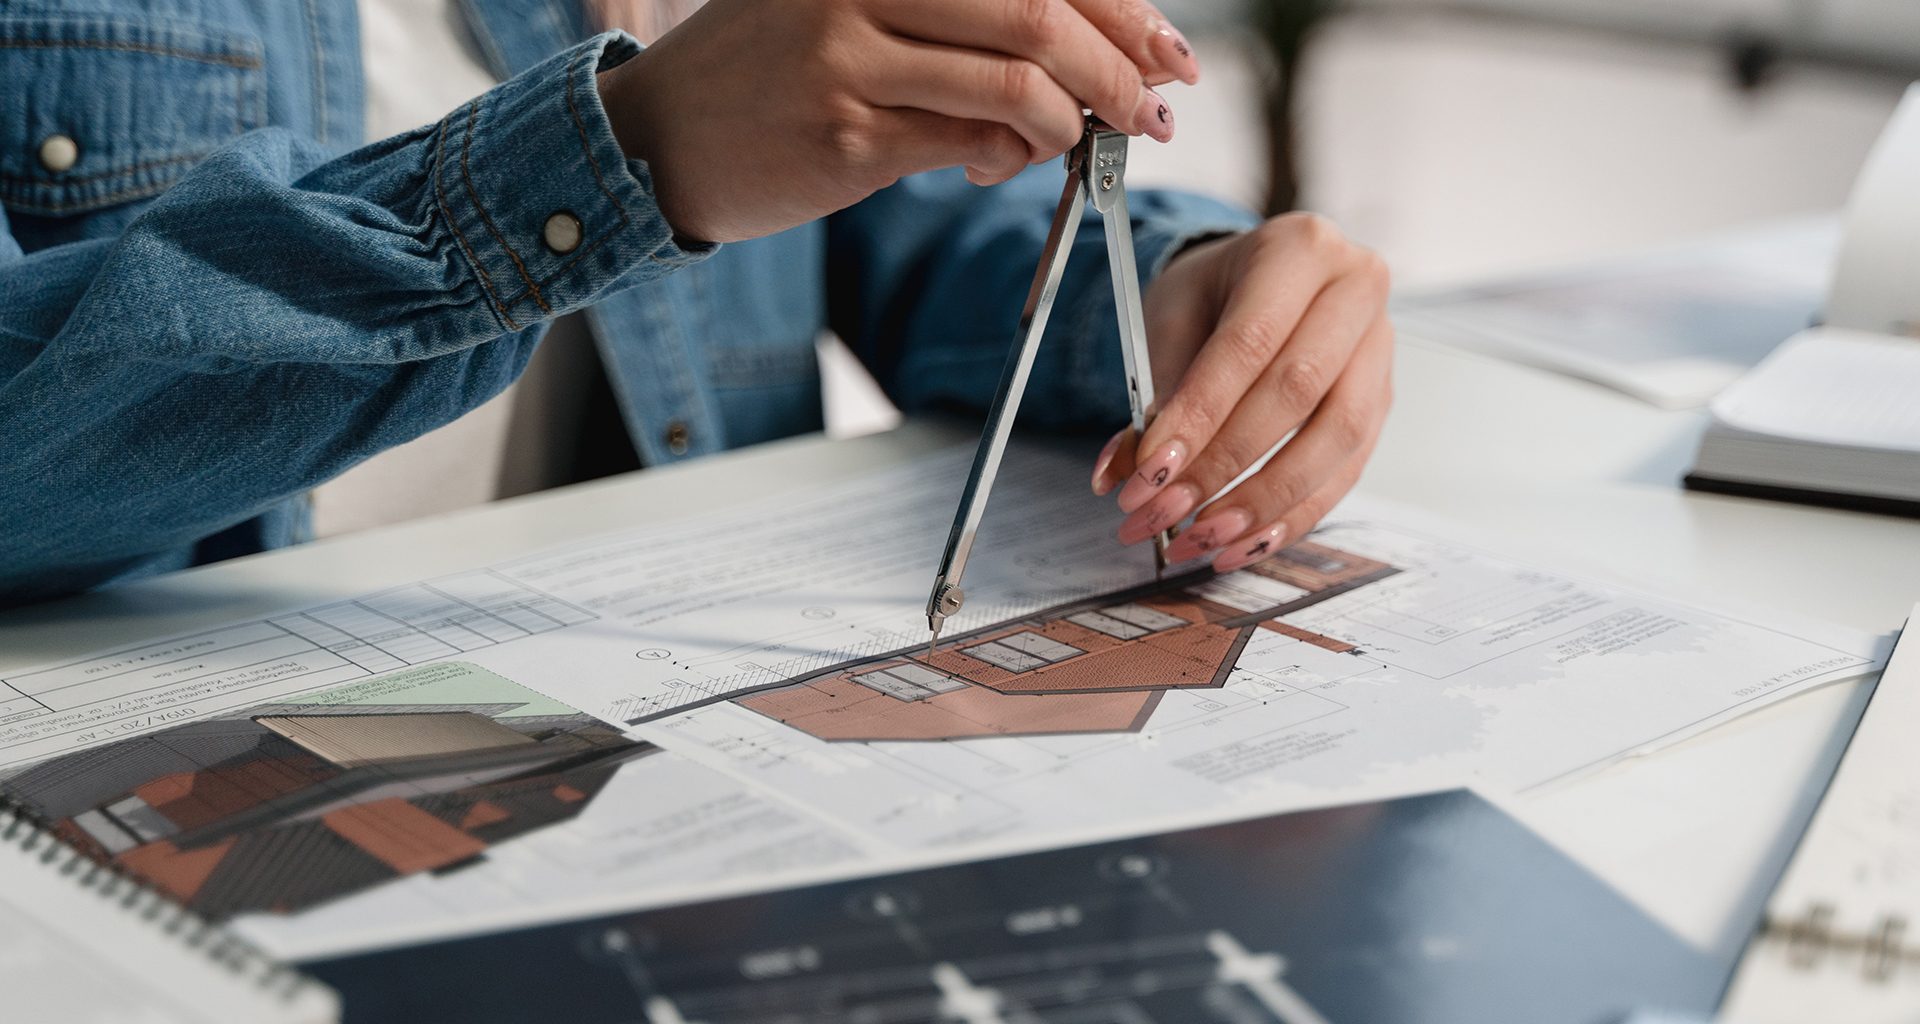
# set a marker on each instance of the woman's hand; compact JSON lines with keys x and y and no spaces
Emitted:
{"x":758,"y":115}
{"x":1280,"y":328}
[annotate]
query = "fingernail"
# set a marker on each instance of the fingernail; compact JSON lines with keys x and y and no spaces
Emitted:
{"x":1101,"y":484}
{"x":1152,"y":474}
{"x":1252,"y":549}
{"x":1171,"y":49}
{"x":976,"y":176}
{"x":1211,"y":531}
{"x":1170,"y":507}
{"x":1154,"y":117}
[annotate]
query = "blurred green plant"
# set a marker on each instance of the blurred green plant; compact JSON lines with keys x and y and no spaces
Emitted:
{"x":1286,"y":28}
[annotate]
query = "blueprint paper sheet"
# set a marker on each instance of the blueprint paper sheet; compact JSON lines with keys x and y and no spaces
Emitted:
{"x":1672,"y":326}
{"x":782,"y":717}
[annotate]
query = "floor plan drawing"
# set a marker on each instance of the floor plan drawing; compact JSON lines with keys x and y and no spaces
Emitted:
{"x":1370,"y":656}
{"x":1095,"y":666}
{"x":249,"y":662}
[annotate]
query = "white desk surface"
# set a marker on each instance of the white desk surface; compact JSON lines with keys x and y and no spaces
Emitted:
{"x":1695,"y":833}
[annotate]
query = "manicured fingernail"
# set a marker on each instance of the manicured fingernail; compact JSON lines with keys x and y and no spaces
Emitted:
{"x":1153,"y":116}
{"x":1170,"y":507}
{"x":1101,"y":484}
{"x":1208,"y":533}
{"x":1152,"y":474}
{"x":1252,"y":549}
{"x":1171,"y":49}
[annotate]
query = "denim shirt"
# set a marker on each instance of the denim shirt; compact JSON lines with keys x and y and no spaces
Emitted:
{"x":229,"y":296}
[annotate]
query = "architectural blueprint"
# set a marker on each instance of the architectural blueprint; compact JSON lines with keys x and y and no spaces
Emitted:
{"x":1104,"y":662}
{"x":770,"y":710}
{"x":1373,"y":658}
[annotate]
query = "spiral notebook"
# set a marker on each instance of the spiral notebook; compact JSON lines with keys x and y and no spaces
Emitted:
{"x":83,"y":944}
{"x":1842,"y":934}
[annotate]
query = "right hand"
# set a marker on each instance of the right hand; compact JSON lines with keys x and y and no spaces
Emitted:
{"x":758,"y":115}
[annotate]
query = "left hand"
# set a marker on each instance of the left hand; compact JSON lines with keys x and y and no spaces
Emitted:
{"x":1280,"y":328}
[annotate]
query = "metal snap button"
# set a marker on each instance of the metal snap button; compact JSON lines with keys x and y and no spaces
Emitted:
{"x":58,"y":153}
{"x":677,"y":437}
{"x":562,"y":232}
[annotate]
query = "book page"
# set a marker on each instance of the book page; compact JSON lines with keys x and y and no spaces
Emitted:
{"x":1832,"y":386}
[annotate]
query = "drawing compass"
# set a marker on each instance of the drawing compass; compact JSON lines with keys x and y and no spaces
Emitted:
{"x":1096,"y":174}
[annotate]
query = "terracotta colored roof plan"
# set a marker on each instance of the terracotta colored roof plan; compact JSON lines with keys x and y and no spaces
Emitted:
{"x":290,"y":805}
{"x":1090,"y":667}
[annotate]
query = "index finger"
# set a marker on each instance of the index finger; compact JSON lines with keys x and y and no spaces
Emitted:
{"x":1263,"y":308}
{"x":1052,"y":34}
{"x":1145,"y":35}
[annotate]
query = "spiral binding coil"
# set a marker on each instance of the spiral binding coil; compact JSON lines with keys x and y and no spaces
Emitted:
{"x":1811,"y":940}
{"x":27,"y":831}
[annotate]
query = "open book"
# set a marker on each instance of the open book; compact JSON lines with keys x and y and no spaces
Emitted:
{"x":1831,"y":418}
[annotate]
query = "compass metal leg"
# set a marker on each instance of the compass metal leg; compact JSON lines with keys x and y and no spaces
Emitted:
{"x":947,"y":596}
{"x":1106,"y":180}
{"x":1096,"y":173}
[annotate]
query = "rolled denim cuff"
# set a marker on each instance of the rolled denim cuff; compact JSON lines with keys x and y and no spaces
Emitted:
{"x":1155,"y":244}
{"x":541,"y":201}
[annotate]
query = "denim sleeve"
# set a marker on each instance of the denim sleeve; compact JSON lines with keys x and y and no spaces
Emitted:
{"x":928,"y":277}
{"x":277,"y":316}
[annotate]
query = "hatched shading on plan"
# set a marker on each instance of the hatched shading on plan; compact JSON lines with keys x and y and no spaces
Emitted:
{"x":1089,"y":667}
{"x":288,"y":805}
